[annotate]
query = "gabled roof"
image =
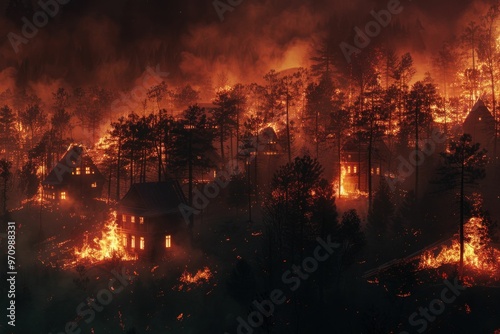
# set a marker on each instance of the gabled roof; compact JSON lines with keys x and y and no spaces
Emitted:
{"x":268,"y":135}
{"x":480,"y":122}
{"x":63,"y":169}
{"x":354,"y":145}
{"x":479,"y":111}
{"x":153,"y":198}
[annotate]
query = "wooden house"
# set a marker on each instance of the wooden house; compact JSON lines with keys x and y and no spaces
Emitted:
{"x":149,"y":218}
{"x":355,"y":165}
{"x":480,"y":124}
{"x":75,"y":177}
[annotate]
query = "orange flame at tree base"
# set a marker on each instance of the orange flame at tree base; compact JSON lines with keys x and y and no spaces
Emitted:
{"x":479,"y":256}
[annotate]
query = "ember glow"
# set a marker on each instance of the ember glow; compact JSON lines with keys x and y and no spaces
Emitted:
{"x":202,"y":276}
{"x":479,"y":256}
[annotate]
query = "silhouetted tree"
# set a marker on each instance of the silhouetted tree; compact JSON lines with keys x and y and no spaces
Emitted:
{"x":191,"y":146}
{"x":8,"y":131}
{"x":351,"y":235}
{"x":33,"y":118}
{"x":464,"y":164}
{"x":5,"y":176}
{"x":380,"y":213}
{"x":420,"y":101}
{"x":185,"y":96}
{"x":28,"y":179}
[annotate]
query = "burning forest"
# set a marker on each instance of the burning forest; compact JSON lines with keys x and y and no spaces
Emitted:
{"x":250,"y":167}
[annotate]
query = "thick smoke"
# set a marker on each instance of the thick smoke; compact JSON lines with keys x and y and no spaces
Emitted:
{"x":110,"y":43}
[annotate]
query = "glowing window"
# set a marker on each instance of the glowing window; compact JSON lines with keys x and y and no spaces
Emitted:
{"x":87,"y":170}
{"x":78,"y":171}
{"x":141,"y":243}
{"x":132,"y":241}
{"x":124,"y":240}
{"x":168,"y":241}
{"x":378,"y":170}
{"x":141,"y":220}
{"x":480,"y":118}
{"x":124,"y":218}
{"x":355,"y":169}
{"x":348,"y":169}
{"x":63,"y":195}
{"x":94,"y":185}
{"x":132,"y":219}
{"x":53,"y":195}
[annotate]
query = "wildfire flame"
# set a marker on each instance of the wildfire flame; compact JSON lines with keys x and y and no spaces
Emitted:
{"x":109,"y":246}
{"x":202,"y":276}
{"x":479,"y":256}
{"x":343,"y":173}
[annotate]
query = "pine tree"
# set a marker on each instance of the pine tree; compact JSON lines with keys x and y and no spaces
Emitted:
{"x":464,"y":164}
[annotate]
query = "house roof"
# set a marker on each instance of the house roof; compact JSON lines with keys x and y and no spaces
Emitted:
{"x":354,"y":145}
{"x":58,"y":175}
{"x":153,"y":198}
{"x":480,"y":123}
{"x":479,"y":113}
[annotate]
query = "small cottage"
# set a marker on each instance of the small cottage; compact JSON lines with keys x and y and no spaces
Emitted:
{"x":149,"y":218}
{"x":480,"y":124}
{"x":74,"y":178}
{"x":355,"y":165}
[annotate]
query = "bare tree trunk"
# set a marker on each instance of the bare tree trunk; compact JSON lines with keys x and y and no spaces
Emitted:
{"x":462,"y":215}
{"x":222,"y":146}
{"x":416,"y":152}
{"x":190,"y":183}
{"x":339,"y":152}
{"x":289,"y":145}
{"x":118,"y":169}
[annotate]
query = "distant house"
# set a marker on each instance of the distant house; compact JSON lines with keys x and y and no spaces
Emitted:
{"x":75,"y":177}
{"x":149,"y":218}
{"x":268,"y":142}
{"x":480,"y":124}
{"x":354,"y":164}
{"x":265,"y":153}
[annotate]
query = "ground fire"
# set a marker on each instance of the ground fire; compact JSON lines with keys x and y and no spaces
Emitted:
{"x":480,"y":256}
{"x":108,"y":246}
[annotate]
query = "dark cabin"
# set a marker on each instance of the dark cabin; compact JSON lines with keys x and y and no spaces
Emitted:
{"x":266,"y":155}
{"x":149,"y":218}
{"x":354,"y":164}
{"x":75,"y":177}
{"x":480,"y":124}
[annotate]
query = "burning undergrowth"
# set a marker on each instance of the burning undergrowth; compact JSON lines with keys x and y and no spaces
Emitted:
{"x":481,"y":260}
{"x":106,"y":247}
{"x":189,"y":281}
